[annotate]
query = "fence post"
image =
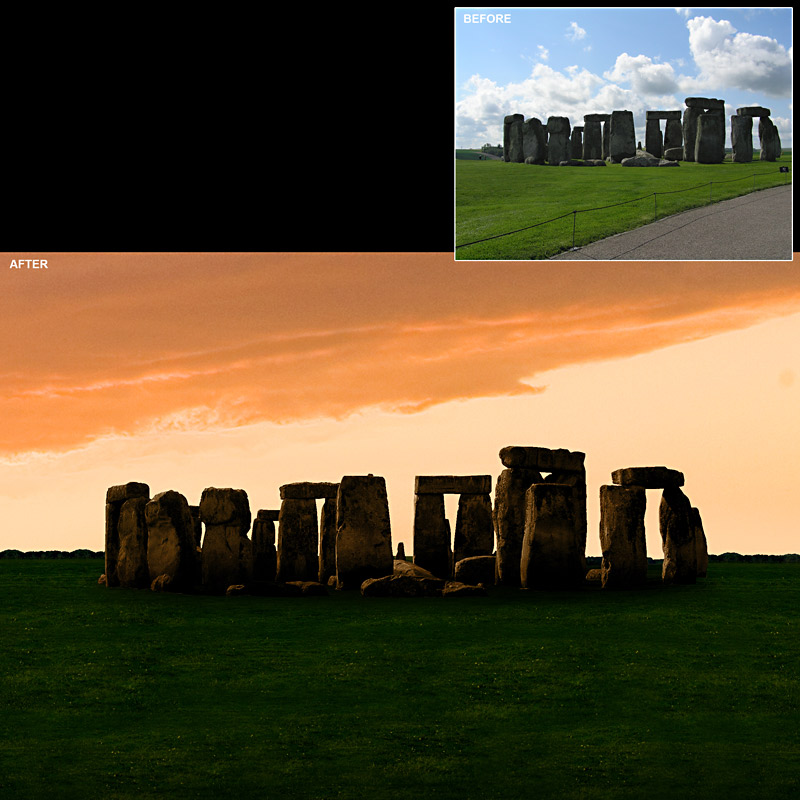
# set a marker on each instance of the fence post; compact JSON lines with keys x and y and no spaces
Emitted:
{"x":574,"y":215}
{"x":655,"y":206}
{"x":710,"y":189}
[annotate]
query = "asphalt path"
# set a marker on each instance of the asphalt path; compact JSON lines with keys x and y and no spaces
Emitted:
{"x":755,"y":226}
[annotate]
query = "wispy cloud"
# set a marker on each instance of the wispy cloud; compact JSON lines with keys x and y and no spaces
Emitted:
{"x":575,"y":33}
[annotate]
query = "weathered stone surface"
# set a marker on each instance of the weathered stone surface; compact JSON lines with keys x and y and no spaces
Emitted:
{"x":705,"y":103}
{"x":577,"y":142}
{"x":431,"y":534}
{"x":475,"y":570}
{"x":474,"y":534}
{"x":677,"y":537}
{"x":559,"y":145}
{"x":364,"y":534}
{"x":594,"y":575}
{"x":453,"y":484}
{"x":533,"y":141}
{"x":742,"y":139}
{"x":171,"y":549}
{"x":572,"y":163}
{"x":327,"y":540}
{"x":701,"y":545}
{"x":622,"y":537}
{"x":673,"y":154}
{"x":227,"y":555}
{"x":132,"y":569}
{"x":642,"y":160}
{"x":648,"y":477}
{"x":658,"y":115}
{"x":126,"y":491}
{"x":592,"y":137}
{"x":551,"y":555}
{"x":310,"y":588}
{"x":673,"y":133}
{"x":653,"y":138}
{"x":667,"y":163}
{"x":298,"y":540}
{"x":509,"y":520}
{"x":269,"y":514}
{"x":403,"y":567}
{"x":577,"y":480}
{"x":690,"y":117}
{"x":265,"y":554}
{"x":622,"y":136}
{"x":512,"y":138}
{"x":307,"y":490}
{"x":709,"y":147}
{"x":458,"y":589}
{"x":543,"y":459}
{"x":753,"y":111}
{"x":101,"y":581}
{"x":162,"y":583}
{"x":768,"y":137}
{"x":402,"y":586}
{"x":594,"y":162}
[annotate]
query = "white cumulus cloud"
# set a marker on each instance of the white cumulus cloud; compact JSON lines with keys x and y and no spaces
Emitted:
{"x":644,"y":76}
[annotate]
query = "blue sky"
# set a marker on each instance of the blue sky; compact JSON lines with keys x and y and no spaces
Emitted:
{"x":576,"y":61}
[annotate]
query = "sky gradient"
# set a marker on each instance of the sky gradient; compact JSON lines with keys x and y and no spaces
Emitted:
{"x":253,"y":370}
{"x":577,"y":61}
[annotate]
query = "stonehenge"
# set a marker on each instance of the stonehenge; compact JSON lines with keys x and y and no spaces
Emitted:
{"x":622,"y":136}
{"x":530,"y":536}
{"x":655,"y":143}
{"x":559,"y":146}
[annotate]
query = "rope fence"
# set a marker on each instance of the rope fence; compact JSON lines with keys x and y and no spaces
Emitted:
{"x":654,"y":195}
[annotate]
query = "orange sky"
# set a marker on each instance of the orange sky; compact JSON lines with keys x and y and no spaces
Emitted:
{"x":252,"y":370}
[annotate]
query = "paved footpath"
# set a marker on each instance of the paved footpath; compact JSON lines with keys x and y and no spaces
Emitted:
{"x":755,"y":226}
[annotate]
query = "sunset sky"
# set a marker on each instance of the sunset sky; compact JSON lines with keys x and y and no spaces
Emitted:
{"x":253,"y":370}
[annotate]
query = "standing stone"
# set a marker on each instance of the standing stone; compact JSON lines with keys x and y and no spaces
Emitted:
{"x":512,"y":138}
{"x":606,"y":135}
{"x":265,"y":555}
{"x":558,"y":140}
{"x":431,"y":535}
{"x":227,"y":554}
{"x":509,"y":520}
{"x":116,"y":496}
{"x":474,"y":534}
{"x":742,"y":139}
{"x":622,"y":537}
{"x":592,"y":136}
{"x":533,"y":142}
{"x":690,"y":117}
{"x":622,"y":136}
{"x":673,"y":130}
{"x":577,"y":480}
{"x":768,"y":137}
{"x":550,"y":551}
{"x":198,"y":524}
{"x":400,"y":555}
{"x":653,"y":140}
{"x":709,"y":145}
{"x":677,"y":537}
{"x":298,"y":541}
{"x":700,"y":543}
{"x":327,"y":540}
{"x":577,"y":141}
{"x":363,"y":531}
{"x":171,"y":550}
{"x":132,"y":569}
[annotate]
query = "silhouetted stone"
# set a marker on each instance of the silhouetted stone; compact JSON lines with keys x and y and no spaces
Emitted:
{"x":622,"y":136}
{"x":594,"y":575}
{"x":678,"y":538}
{"x":431,"y":534}
{"x":558,"y":140}
{"x":474,"y":535}
{"x":364,"y":534}
{"x":132,"y":569}
{"x":550,"y":550}
{"x":648,"y":477}
{"x":705,"y":103}
{"x":742,"y":139}
{"x":512,"y":138}
{"x":475,"y":570}
{"x":622,"y":537}
{"x":458,"y":589}
{"x":509,"y":520}
{"x":308,"y":490}
{"x":542,"y":459}
{"x":227,"y":555}
{"x":171,"y":550}
{"x":533,"y":141}
{"x":577,"y":480}
{"x":116,"y":496}
{"x":402,"y":586}
{"x":701,"y":545}
{"x":265,"y":554}
{"x":453,"y":484}
{"x":298,"y":541}
{"x":126,"y":491}
{"x":197,"y":525}
{"x":401,"y":552}
{"x":327,"y":540}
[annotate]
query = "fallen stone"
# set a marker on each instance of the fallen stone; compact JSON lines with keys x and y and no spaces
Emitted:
{"x":402,"y":586}
{"x":171,"y":550}
{"x":458,"y":589}
{"x":308,"y":491}
{"x":236,"y":589}
{"x":594,"y":162}
{"x":678,"y":537}
{"x":550,"y":550}
{"x":162,"y":583}
{"x":622,"y":536}
{"x":594,"y":575}
{"x":648,"y":477}
{"x":475,"y":570}
{"x":101,"y":581}
{"x":414,"y":570}
{"x":572,"y":163}
{"x":310,"y":588}
{"x":643,"y":160}
{"x":364,"y":534}
{"x":673,"y":154}
{"x":453,"y":484}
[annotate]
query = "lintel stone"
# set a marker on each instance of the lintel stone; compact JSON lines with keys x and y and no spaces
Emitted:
{"x":309,"y":491}
{"x":754,"y":111}
{"x":543,"y":459}
{"x":268,"y":514}
{"x":127,"y":491}
{"x":648,"y":477}
{"x":453,"y":484}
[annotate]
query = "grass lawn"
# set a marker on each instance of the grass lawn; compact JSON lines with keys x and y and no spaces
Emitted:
{"x":495,"y":197}
{"x":668,"y":692}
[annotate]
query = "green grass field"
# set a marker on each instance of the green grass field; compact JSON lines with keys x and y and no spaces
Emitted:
{"x":494,"y":197}
{"x":668,"y":692}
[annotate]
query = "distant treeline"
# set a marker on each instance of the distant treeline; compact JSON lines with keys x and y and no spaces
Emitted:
{"x":52,"y":554}
{"x":592,"y":561}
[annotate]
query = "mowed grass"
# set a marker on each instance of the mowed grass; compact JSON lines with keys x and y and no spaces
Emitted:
{"x":495,"y":197}
{"x":667,"y":692}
